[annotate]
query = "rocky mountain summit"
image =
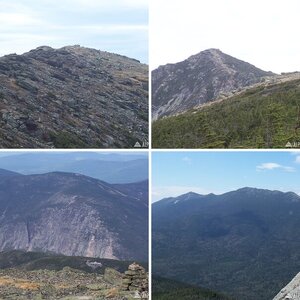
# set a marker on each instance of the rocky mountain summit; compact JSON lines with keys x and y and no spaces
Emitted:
{"x":74,"y":215}
{"x":72,"y":97}
{"x":291,"y":291}
{"x":199,"y":79}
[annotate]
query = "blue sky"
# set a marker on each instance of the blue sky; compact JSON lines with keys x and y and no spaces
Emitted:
{"x":176,"y":173}
{"x":119,"y":26}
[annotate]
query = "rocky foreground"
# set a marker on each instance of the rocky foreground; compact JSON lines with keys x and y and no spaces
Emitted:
{"x":72,"y":284}
{"x":73,"y":97}
{"x":291,"y":291}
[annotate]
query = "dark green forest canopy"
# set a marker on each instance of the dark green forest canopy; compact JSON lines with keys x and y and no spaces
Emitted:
{"x":261,"y":117}
{"x":167,"y":289}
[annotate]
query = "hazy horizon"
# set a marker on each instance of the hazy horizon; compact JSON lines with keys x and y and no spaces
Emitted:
{"x":111,"y":167}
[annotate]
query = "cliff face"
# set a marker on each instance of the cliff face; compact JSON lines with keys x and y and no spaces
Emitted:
{"x":73,"y":215}
{"x":199,"y":79}
{"x":72,"y":97}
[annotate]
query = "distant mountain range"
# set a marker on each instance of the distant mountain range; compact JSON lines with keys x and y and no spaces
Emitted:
{"x":74,"y":215}
{"x":72,"y":97}
{"x":199,"y":79}
{"x":244,"y":243}
{"x":112,"y":168}
{"x":7,"y":173}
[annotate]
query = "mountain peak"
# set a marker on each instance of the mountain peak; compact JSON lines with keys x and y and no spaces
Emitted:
{"x":190,"y":194}
{"x":199,"y":79}
{"x":252,"y":190}
{"x":212,"y":51}
{"x":249,"y":189}
{"x":43,"y":48}
{"x":186,"y":197}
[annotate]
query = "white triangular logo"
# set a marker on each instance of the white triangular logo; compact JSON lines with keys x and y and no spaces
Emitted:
{"x":288,"y":145}
{"x":137,"y":145}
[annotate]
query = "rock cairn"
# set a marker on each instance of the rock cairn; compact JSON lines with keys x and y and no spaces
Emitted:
{"x":136,"y":279}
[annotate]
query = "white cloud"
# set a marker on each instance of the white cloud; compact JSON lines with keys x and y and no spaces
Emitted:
{"x":108,"y":28}
{"x":17,"y":19}
{"x":106,"y":5}
{"x":268,"y":166}
{"x":273,"y":166}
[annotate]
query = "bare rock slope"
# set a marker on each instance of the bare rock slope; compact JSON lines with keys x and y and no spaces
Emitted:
{"x":199,"y":79}
{"x":72,"y":97}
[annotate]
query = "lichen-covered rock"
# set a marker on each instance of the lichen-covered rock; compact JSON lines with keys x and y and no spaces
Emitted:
{"x":113,"y":276}
{"x":67,"y":284}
